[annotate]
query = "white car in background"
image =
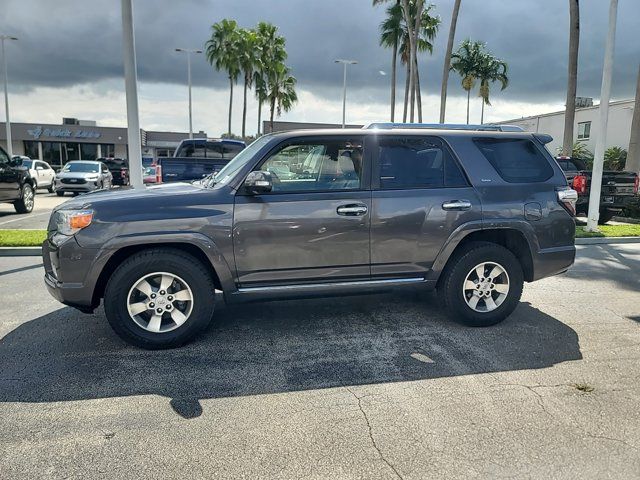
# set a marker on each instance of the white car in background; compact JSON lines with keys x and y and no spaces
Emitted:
{"x":40,"y":171}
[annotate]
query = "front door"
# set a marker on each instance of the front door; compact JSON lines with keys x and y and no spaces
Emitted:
{"x":9,"y":178}
{"x":314,"y":224}
{"x":420,"y":196}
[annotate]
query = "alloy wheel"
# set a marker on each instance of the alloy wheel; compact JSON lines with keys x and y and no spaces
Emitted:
{"x":486,"y":287}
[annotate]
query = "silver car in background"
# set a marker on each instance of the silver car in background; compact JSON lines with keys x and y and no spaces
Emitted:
{"x":82,"y":176}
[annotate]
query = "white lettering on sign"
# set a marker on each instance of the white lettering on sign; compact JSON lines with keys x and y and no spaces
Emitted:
{"x":62,"y":133}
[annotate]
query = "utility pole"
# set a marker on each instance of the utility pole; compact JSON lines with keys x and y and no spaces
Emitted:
{"x":131,"y":90}
{"x":6,"y":93}
{"x":189,"y":52}
{"x":344,"y":86}
{"x":601,"y":138}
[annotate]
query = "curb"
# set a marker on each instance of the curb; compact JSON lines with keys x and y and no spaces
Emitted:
{"x":606,"y":240}
{"x":20,"y":251}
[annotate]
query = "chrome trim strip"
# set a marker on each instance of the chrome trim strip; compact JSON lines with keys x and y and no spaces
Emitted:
{"x":363,"y":283}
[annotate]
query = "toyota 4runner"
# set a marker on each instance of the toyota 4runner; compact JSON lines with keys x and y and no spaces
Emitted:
{"x":473,"y":214}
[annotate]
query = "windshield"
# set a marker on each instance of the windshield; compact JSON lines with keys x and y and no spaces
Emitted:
{"x":27,"y":163}
{"x":230,"y":169}
{"x":81,"y":167}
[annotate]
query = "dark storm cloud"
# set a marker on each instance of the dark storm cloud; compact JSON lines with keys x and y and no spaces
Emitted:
{"x":69,"y":42}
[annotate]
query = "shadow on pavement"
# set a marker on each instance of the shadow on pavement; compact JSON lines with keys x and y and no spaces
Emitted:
{"x":274,"y":347}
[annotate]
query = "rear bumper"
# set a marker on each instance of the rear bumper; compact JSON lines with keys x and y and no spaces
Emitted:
{"x":619,"y":202}
{"x":552,"y":261}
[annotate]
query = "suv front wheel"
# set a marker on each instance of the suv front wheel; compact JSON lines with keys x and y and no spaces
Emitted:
{"x":159,"y":298}
{"x":482,"y":285}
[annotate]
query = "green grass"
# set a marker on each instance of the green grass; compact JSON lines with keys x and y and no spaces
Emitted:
{"x":22,"y":238}
{"x":610,"y":231}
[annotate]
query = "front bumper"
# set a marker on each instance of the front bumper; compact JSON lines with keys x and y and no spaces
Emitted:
{"x":76,"y":187}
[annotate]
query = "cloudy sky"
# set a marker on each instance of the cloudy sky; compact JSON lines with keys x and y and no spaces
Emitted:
{"x":68,"y":60}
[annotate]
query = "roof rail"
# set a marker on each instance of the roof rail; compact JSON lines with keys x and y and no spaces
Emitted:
{"x":444,"y":126}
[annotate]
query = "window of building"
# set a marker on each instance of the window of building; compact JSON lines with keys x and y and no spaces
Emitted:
{"x":417,"y":162}
{"x":51,"y":153}
{"x":31,"y":149}
{"x":517,"y":160}
{"x":107,"y":150}
{"x":88,"y":151}
{"x":70,"y":151}
{"x":316,"y":166}
{"x":584,"y":130}
{"x":164,"y":152}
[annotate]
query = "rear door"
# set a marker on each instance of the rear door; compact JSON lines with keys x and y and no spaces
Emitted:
{"x":420,"y":196}
{"x":314,"y":225}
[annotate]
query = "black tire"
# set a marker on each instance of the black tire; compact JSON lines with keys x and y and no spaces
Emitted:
{"x":450,"y":288}
{"x":605,"y":216}
{"x":26,"y":201}
{"x":59,"y":193}
{"x":52,"y":188}
{"x":171,"y":261}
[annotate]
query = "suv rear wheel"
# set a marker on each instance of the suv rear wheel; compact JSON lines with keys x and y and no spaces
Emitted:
{"x":26,"y":201}
{"x":482,"y":285}
{"x":159,"y":298}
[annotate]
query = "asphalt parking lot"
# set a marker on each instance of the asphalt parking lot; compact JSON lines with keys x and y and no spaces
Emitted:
{"x":364,"y":387}
{"x":38,"y":218}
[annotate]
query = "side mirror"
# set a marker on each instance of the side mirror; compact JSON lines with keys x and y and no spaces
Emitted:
{"x":258,"y":182}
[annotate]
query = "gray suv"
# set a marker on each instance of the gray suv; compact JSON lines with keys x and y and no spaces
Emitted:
{"x":472,"y":214}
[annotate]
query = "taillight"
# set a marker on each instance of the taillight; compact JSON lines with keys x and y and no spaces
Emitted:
{"x":123,"y":172}
{"x":636,"y":182}
{"x":580,"y":183}
{"x":567,"y":198}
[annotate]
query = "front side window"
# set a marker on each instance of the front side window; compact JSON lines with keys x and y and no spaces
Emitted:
{"x":417,"y":162}
{"x":316,"y":166}
{"x":584,"y":130}
{"x":517,"y":160}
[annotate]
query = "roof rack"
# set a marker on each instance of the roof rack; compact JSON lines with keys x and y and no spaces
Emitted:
{"x":444,"y":126}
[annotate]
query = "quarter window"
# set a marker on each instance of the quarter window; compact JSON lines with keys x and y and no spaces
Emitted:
{"x":316,"y":166}
{"x":584,"y":130}
{"x":417,"y":162}
{"x":517,"y":160}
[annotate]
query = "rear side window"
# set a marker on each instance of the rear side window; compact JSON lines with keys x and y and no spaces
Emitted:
{"x":417,"y":162}
{"x":517,"y":160}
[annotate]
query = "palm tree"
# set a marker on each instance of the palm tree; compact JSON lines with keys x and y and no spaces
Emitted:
{"x":390,"y":35}
{"x":490,"y":69}
{"x":271,"y":52}
{"x":465,"y":62}
{"x":447,"y":59}
{"x":281,"y":91}
{"x":222,"y":51}
{"x":572,"y":79}
{"x":248,"y":60}
{"x":412,"y":19}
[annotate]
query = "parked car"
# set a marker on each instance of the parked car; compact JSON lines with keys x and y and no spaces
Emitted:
{"x":197,"y":158}
{"x":150,"y":174}
{"x":41,"y":172}
{"x":81,"y":176}
{"x":619,"y":189}
{"x":16,"y":185}
{"x":119,"y":169}
{"x":471,"y":214}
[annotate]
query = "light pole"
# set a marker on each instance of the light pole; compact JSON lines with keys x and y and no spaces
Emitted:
{"x":6,"y":94}
{"x":601,"y":138}
{"x":189,"y":52}
{"x":344,"y":86}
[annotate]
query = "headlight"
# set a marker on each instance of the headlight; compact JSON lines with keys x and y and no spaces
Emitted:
{"x":69,"y":222}
{"x":92,"y":178}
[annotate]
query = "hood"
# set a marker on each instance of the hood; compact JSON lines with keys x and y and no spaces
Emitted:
{"x":77,"y":174}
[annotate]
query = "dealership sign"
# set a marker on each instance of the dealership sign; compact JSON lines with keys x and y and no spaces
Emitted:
{"x":62,"y":133}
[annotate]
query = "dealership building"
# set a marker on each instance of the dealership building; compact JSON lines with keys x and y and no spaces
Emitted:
{"x":75,"y":139}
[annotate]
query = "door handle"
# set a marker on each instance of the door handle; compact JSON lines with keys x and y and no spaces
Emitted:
{"x":456,"y":205}
{"x":352,"y":210}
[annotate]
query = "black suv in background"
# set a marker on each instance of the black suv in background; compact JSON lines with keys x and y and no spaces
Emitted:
{"x":17,"y":186}
{"x":473,"y":214}
{"x":119,"y":168}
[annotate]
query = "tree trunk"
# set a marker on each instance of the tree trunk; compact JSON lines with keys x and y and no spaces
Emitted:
{"x":468,"y":100}
{"x":572,"y":80}
{"x":447,"y":60}
{"x":418,"y":94}
{"x":633,"y":155}
{"x":273,"y":107}
{"x":409,"y":23}
{"x":394,"y":62}
{"x":244,"y":108}
{"x":259,"y":115}
{"x":414,"y":53}
{"x":406,"y":94}
{"x":230,"y":103}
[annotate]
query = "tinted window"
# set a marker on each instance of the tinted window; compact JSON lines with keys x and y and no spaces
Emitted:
{"x":517,"y":160}
{"x":316,"y":166}
{"x":417,"y":162}
{"x":27,"y":163}
{"x":202,"y":150}
{"x":4,"y":158}
{"x":231,"y":150}
{"x":81,"y":167}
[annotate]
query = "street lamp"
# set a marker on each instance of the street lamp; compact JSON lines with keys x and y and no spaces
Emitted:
{"x":6,"y":94}
{"x":189,"y":52}
{"x":344,"y":85}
